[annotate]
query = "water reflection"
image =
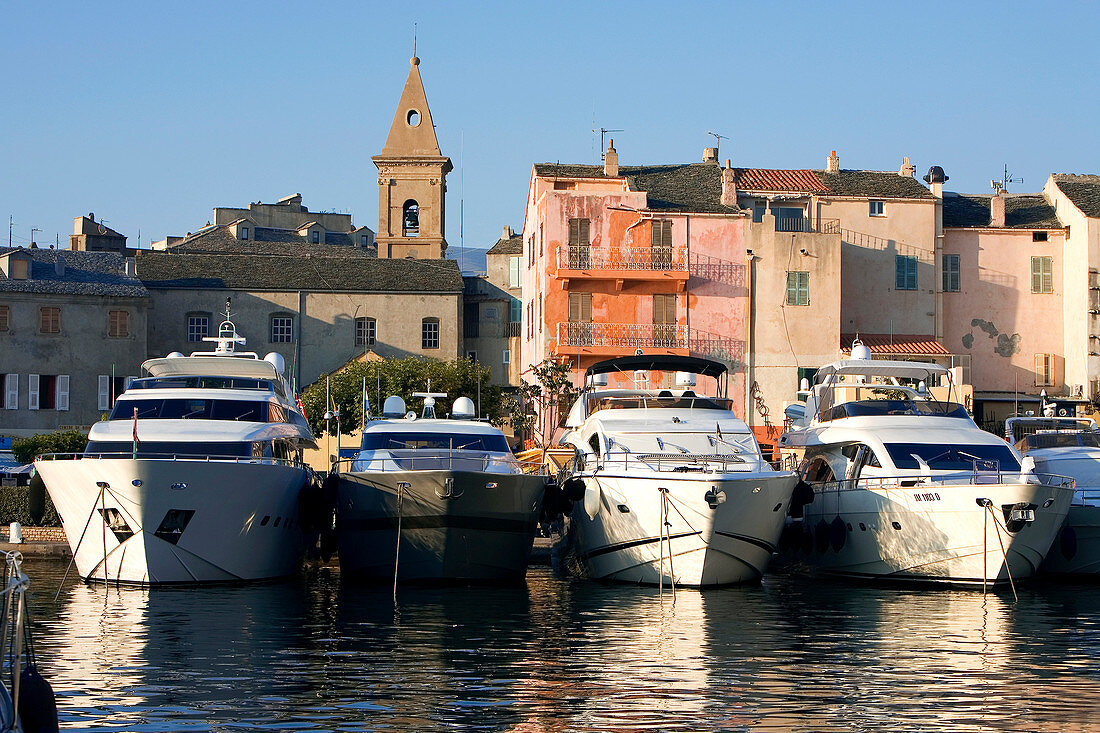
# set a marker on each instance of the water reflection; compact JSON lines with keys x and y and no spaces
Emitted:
{"x":562,"y":654}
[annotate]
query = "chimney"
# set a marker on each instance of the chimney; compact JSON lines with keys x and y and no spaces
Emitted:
{"x":997,"y":210}
{"x":131,"y":266}
{"x":936,"y":178}
{"x":611,"y":160}
{"x":507,"y":233}
{"x":729,"y":186}
{"x":832,"y":163}
{"x":710,"y":155}
{"x":59,"y":266}
{"x":907,"y":168}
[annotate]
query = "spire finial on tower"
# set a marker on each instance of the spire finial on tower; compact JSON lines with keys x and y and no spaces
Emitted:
{"x":414,"y":60}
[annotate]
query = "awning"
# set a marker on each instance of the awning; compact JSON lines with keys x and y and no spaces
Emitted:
{"x":893,"y":343}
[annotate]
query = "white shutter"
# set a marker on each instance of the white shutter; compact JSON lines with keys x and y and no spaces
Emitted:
{"x":32,"y":391}
{"x":62,"y":401}
{"x":11,"y":390}
{"x":104,"y":392}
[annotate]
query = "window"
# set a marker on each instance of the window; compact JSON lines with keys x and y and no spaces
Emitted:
{"x":578,"y":233}
{"x":951,"y":273}
{"x":364,"y":331}
{"x":661,"y":244}
{"x":244,"y":232}
{"x":48,"y":392}
{"x":5,"y":318}
{"x":515,"y":311}
{"x":364,"y":240}
{"x":49,"y":319}
{"x":471,"y":356}
{"x":315,"y":237}
{"x":1042,"y":274}
{"x":470,"y":320}
{"x":506,"y":357}
{"x":282,"y":329}
{"x":198,"y":326}
{"x":905,"y":272}
{"x":759,"y":208}
{"x":410,"y":219}
{"x":11,"y":391}
{"x":580,"y":307}
{"x":664,"y":321}
{"x":798,"y":288}
{"x":1044,"y":370}
{"x":876,"y":208}
{"x":429,"y":333}
{"x":1038,"y":236}
{"x":790,"y":219}
{"x":118,"y":324}
{"x":513,"y":271}
{"x":807,"y":373}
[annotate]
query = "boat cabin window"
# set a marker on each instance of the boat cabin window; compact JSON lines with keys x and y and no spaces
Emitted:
{"x":686,"y":401}
{"x":1059,"y":440}
{"x":594,"y":443}
{"x":868,"y":458}
{"x":434,"y":441}
{"x":866,"y":408}
{"x":185,"y":408}
{"x":195,"y":382}
{"x":272,"y":449}
{"x":940,"y":457}
{"x":167,"y":449}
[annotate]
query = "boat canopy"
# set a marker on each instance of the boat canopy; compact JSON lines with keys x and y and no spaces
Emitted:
{"x":659,"y":362}
{"x":877,"y":368}
{"x":211,"y":366}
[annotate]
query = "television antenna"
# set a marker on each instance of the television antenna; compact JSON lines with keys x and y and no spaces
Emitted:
{"x":603,"y":134}
{"x":718,"y":139}
{"x":1001,"y":186}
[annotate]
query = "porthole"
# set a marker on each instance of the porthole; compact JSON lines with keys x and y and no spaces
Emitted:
{"x":862,"y":527}
{"x":896,"y":525}
{"x":413,"y":118}
{"x":264,"y":521}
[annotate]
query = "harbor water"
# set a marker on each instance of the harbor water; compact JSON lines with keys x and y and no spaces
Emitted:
{"x":560,"y":654}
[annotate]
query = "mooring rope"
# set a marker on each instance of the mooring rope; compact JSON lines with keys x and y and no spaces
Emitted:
{"x":997,"y":525}
{"x":397,"y":549}
{"x":79,"y":542}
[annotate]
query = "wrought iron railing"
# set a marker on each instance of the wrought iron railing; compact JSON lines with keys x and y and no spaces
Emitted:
{"x":622,"y":258}
{"x":623,"y":335}
{"x":512,"y":328}
{"x":805,"y":225}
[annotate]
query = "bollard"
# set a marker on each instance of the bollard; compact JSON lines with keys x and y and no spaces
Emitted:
{"x":15,"y":534}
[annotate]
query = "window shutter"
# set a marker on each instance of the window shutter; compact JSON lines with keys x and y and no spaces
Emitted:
{"x":586,"y":307}
{"x":62,"y":401}
{"x":1048,"y":275}
{"x":104,"y":392}
{"x":11,"y":389}
{"x":32,"y":391}
{"x":584,"y":233}
{"x":666,"y":234}
{"x":574,"y":307}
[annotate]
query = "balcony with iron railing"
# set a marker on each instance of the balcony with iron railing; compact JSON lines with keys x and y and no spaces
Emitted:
{"x":622,"y":263}
{"x":801,"y":224}
{"x":622,"y":339}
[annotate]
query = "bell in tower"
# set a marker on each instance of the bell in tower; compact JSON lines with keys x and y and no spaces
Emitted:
{"x":412,"y":179}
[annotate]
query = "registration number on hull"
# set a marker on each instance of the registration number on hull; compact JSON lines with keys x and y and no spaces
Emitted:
{"x":930,"y":496}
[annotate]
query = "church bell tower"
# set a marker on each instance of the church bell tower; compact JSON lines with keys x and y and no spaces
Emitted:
{"x":412,"y":179}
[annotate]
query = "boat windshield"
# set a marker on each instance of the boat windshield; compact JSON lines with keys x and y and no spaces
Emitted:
{"x":864,"y":408}
{"x":940,"y":457}
{"x":197,"y":382}
{"x":1060,"y":440}
{"x":658,"y":402}
{"x":198,"y":409}
{"x":495,"y":443}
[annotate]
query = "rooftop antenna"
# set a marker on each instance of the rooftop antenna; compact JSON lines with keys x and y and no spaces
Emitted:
{"x":414,"y":39}
{"x":603,"y":134}
{"x":1001,"y":186}
{"x":461,"y":201}
{"x":33,"y":230}
{"x":718,"y":139}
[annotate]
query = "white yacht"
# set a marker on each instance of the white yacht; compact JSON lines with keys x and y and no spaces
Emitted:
{"x":1068,"y":446}
{"x":907,"y":487}
{"x":670,"y":486}
{"x":433,"y":499}
{"x":194,"y":477}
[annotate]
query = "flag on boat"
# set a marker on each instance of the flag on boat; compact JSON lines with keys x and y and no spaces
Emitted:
{"x":298,"y":402}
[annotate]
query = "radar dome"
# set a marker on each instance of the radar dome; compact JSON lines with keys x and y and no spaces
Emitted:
{"x":463,"y":407}
{"x":276,"y":360}
{"x":394,"y":406}
{"x":859,"y":351}
{"x":175,"y":355}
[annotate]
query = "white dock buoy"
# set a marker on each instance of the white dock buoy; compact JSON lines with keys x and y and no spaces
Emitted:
{"x":15,"y":533}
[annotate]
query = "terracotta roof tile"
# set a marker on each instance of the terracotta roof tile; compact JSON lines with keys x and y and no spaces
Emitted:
{"x":769,"y":179}
{"x":895,"y":344}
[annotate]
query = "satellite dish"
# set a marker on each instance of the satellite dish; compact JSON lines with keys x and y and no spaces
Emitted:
{"x":859,"y":351}
{"x":463,"y":407}
{"x":394,"y":406}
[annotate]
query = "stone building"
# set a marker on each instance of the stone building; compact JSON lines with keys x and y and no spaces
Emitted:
{"x":72,"y":330}
{"x":283,"y":227}
{"x":90,"y":235}
{"x":412,"y":179}
{"x":491,"y":311}
{"x":318,"y":312}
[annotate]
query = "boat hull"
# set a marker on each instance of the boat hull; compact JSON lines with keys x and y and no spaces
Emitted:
{"x":178,"y":521}
{"x":932,"y":533}
{"x":615,"y":533}
{"x":463,"y":526}
{"x":1077,"y":549}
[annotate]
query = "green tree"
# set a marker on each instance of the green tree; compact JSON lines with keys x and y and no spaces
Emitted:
{"x":402,"y":377}
{"x":62,"y":441}
{"x":546,"y":401}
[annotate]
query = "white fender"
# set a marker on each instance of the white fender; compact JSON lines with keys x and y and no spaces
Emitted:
{"x":591,"y":498}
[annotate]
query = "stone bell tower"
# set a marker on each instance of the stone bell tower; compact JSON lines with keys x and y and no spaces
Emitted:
{"x":412,"y":179}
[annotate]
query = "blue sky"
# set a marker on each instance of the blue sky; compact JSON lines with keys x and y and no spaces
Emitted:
{"x":151,"y":114}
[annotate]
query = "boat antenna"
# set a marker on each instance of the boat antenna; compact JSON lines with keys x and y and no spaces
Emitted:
{"x":478,"y":392}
